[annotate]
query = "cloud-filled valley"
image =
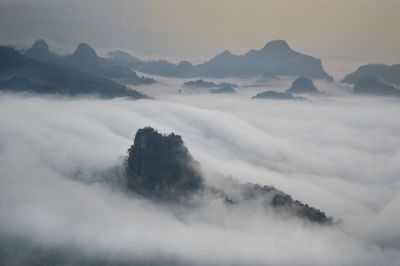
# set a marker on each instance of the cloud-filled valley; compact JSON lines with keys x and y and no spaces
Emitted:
{"x":336,"y":153}
{"x":199,"y":133}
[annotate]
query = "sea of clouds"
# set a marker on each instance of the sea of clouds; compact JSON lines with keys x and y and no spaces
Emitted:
{"x":337,"y":152}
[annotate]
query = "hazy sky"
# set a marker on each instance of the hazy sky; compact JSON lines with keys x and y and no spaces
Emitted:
{"x":365,"y":30}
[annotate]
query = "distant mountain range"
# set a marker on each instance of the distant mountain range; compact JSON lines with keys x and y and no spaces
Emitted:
{"x":20,"y":73}
{"x":375,"y":79}
{"x":374,"y":86}
{"x":275,"y":58}
{"x":275,"y":95}
{"x":386,"y":73}
{"x":84,"y":58}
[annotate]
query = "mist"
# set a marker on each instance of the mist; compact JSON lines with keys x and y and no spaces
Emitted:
{"x":337,"y":152}
{"x":358,"y":30}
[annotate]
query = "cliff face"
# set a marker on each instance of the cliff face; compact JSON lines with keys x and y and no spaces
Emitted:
{"x":161,"y":166}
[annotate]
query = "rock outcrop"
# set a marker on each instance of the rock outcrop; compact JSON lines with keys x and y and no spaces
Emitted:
{"x":302,"y":85}
{"x":161,"y":168}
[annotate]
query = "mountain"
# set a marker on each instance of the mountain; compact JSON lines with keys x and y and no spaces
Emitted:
{"x":160,"y":167}
{"x":302,"y":85}
{"x":274,"y":95}
{"x":29,"y":73}
{"x":164,"y":68}
{"x":125,"y":75}
{"x":122,"y":56}
{"x":200,"y":84}
{"x":388,"y":74}
{"x":373,"y":86}
{"x":224,"y":89}
{"x":276,"y":58}
{"x":85,"y":58}
{"x":23,"y":84}
{"x":206,"y":84}
{"x":40,"y":50}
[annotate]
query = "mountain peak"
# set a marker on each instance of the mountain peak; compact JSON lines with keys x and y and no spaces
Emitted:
{"x":224,"y":54}
{"x":85,"y":49}
{"x":39,"y":49}
{"x":302,"y":85}
{"x":277,"y":46}
{"x":85,"y":57}
{"x":161,"y":166}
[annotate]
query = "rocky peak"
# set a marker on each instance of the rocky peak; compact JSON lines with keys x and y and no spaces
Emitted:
{"x":161,"y":166}
{"x":39,"y":49}
{"x":85,"y":56}
{"x":277,"y":46}
{"x":302,"y":85}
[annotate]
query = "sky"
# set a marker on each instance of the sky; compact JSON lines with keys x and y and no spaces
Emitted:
{"x":361,"y":30}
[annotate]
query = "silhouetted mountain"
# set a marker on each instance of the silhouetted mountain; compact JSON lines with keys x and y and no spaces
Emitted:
{"x":67,"y":81}
{"x":123,"y":57}
{"x":40,"y":50}
{"x":200,"y":84}
{"x":126,"y":76}
{"x":23,"y":84}
{"x":276,"y":58}
{"x":274,"y":95}
{"x":165,"y":68}
{"x":207,"y":84}
{"x":269,"y":196}
{"x":302,"y":85}
{"x":373,"y":86}
{"x":388,"y":74}
{"x":225,"y":88}
{"x":85,"y":59}
{"x":160,"y":167}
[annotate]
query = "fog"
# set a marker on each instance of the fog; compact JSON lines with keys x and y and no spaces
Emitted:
{"x":337,"y":152}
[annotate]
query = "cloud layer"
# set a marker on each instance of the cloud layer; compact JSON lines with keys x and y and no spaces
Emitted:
{"x":339,"y":154}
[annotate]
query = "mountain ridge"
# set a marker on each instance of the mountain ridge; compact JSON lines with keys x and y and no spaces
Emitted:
{"x":63,"y":80}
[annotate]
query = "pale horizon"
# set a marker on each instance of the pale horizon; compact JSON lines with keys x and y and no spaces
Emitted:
{"x":359,"y":31}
